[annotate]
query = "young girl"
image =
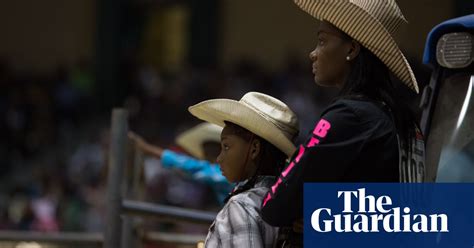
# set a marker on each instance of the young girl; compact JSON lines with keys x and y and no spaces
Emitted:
{"x":256,"y":141}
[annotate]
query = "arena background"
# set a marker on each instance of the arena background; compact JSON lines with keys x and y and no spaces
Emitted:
{"x":65,"y":64}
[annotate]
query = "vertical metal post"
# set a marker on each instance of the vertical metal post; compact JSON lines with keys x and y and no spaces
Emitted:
{"x":136,"y":191}
{"x":117,"y":158}
{"x":130,"y":231}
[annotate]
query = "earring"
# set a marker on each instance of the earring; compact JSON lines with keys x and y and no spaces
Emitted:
{"x":348,"y":58}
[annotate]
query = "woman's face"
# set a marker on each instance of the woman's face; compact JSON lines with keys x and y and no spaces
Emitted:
{"x":330,"y":65}
{"x":234,"y":159}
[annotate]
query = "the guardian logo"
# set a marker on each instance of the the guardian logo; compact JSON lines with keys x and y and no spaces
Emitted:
{"x":375,"y":215}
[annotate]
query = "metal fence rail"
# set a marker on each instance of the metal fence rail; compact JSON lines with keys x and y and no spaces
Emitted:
{"x":117,"y":158}
{"x":173,"y":238}
{"x":94,"y":239}
{"x":71,"y":238}
{"x":143,"y":208}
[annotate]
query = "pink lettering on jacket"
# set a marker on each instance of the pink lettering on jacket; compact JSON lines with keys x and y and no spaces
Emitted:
{"x":267,"y":198}
{"x":312,"y":142}
{"x":321,"y":130}
{"x":292,"y":164}
{"x":276,"y":184}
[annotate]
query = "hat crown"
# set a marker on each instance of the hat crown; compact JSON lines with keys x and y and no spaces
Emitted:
{"x":386,"y":12}
{"x":274,"y":111}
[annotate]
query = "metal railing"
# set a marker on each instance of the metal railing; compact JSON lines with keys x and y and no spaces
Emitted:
{"x":147,"y":209}
{"x":121,"y":228}
{"x":62,"y":238}
{"x":80,"y":239}
{"x":117,"y":235}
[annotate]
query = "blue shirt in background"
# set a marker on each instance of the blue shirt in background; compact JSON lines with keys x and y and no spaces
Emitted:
{"x":200,"y":170}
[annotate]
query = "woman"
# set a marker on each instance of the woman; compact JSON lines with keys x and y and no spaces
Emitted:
{"x":367,"y":134}
{"x":255,"y":143}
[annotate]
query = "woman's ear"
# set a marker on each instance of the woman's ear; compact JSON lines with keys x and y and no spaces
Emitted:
{"x":255,"y":148}
{"x":353,"y":51}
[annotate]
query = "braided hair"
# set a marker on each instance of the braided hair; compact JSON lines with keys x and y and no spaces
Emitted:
{"x":369,"y":79}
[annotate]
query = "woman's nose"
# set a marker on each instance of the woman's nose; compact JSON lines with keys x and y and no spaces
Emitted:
{"x":312,"y":55}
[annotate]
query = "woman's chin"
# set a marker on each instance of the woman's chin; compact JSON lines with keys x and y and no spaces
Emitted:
{"x":323,"y":83}
{"x":318,"y":80}
{"x":320,"y":83}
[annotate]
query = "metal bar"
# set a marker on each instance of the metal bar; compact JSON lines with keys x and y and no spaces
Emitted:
{"x":130,"y":234}
{"x":173,"y":238}
{"x":74,"y":238}
{"x":137,"y":175}
{"x":117,"y":156}
{"x":143,"y":208}
{"x":130,"y":237}
{"x":60,"y":237}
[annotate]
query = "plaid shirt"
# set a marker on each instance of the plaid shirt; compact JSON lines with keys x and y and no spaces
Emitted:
{"x":239,"y":224}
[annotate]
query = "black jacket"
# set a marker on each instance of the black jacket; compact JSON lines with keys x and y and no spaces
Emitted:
{"x":354,"y":141}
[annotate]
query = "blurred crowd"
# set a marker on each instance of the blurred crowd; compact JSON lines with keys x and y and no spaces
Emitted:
{"x":54,"y":135}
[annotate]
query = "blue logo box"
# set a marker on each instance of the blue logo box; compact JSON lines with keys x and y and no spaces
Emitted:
{"x":341,"y":215}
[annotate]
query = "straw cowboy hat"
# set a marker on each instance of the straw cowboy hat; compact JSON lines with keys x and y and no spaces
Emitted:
{"x":192,"y":139}
{"x":261,"y":114}
{"x":372,"y":23}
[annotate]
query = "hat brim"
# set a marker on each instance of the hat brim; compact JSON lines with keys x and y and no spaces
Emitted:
{"x":370,"y":33}
{"x":217,"y":111}
{"x":192,"y":140}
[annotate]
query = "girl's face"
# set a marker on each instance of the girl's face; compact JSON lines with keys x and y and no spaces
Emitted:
{"x":235,"y":158}
{"x":330,"y":65}
{"x":211,"y":150}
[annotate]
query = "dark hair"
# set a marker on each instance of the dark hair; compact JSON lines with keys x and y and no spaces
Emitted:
{"x":369,"y":79}
{"x":271,"y":160}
